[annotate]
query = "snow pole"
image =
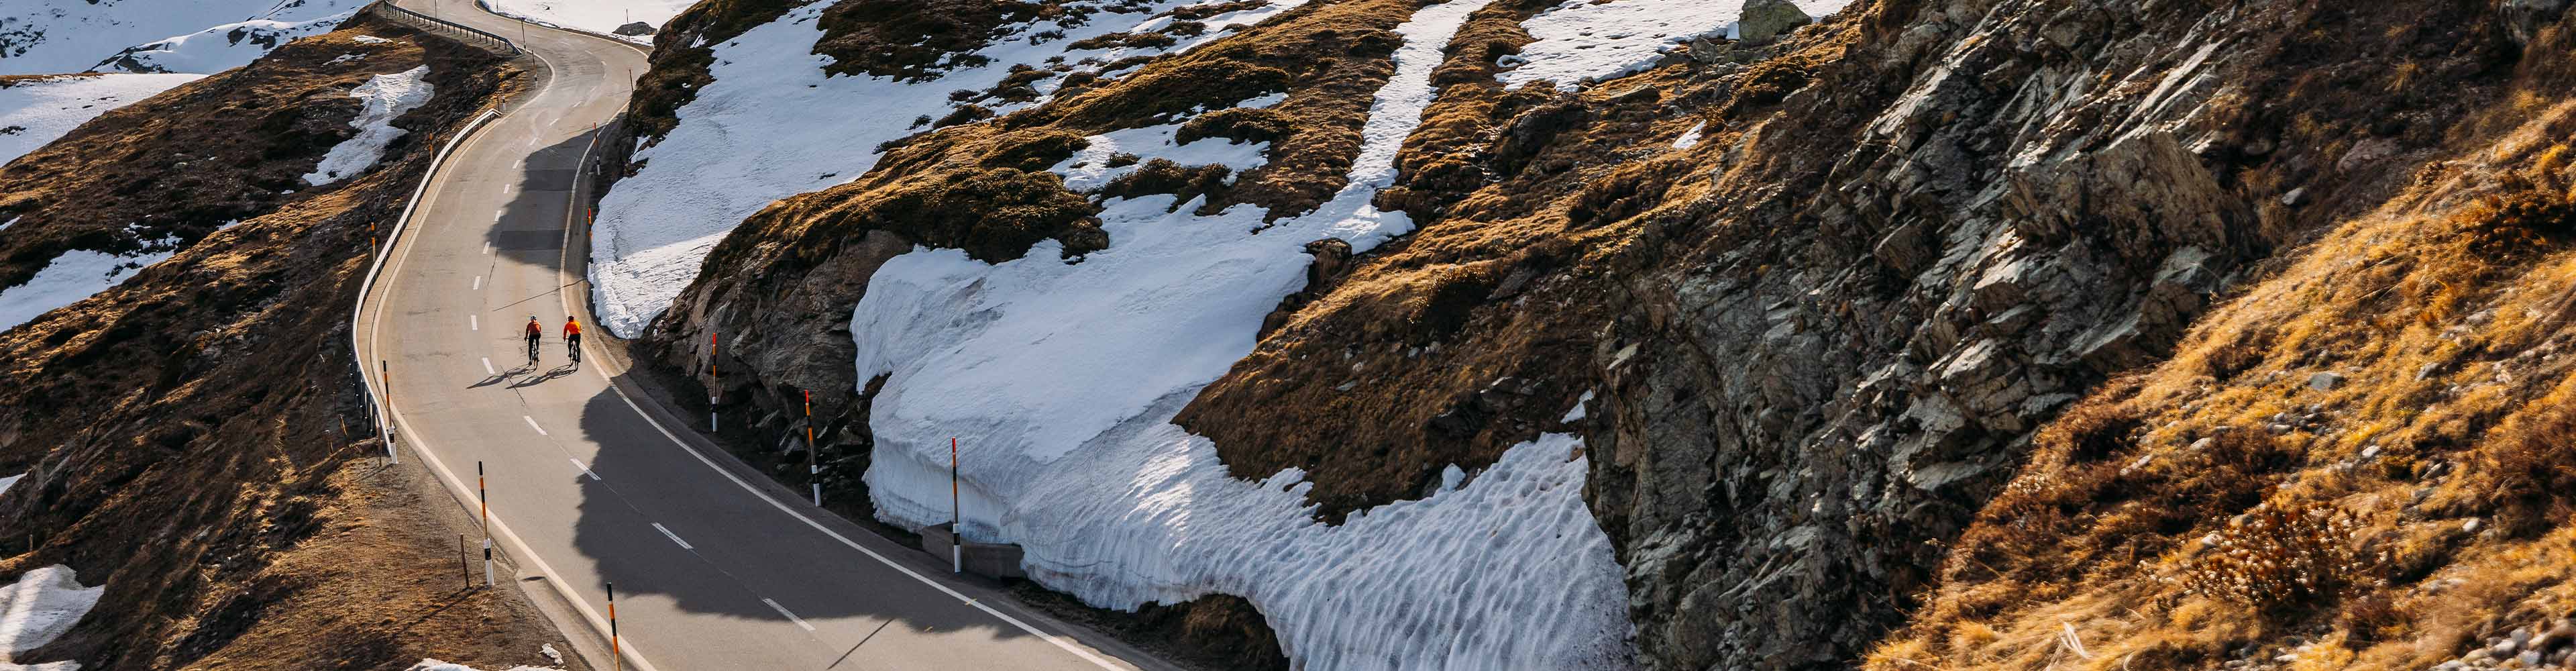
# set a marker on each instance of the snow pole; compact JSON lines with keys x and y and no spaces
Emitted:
{"x":956,"y":517}
{"x":386,"y":375}
{"x":483,"y":497}
{"x":616,"y":653}
{"x":715,"y":383}
{"x":813,"y":452}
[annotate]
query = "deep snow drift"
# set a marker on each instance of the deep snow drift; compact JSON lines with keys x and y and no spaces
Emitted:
{"x":39,"y":608}
{"x":749,"y":139}
{"x":38,"y":112}
{"x":1060,"y":380}
{"x":55,"y":36}
{"x":1583,"y":42}
{"x":382,"y":98}
{"x":597,"y":16}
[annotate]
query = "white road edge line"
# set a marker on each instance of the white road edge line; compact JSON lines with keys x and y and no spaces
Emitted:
{"x":585,"y":470}
{"x":675,"y":538}
{"x":532,"y":423}
{"x":791,"y":617}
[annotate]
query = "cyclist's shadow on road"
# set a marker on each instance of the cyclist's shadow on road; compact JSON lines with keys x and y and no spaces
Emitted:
{"x":534,"y":380}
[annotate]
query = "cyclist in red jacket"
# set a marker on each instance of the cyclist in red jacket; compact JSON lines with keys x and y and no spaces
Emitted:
{"x":572,"y":337}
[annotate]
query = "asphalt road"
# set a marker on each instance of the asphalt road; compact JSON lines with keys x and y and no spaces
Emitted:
{"x":592,"y":481}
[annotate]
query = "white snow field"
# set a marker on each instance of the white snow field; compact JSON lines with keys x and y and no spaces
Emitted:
{"x":38,"y":112}
{"x":435,"y":665}
{"x":222,"y":47}
{"x":39,"y":608}
{"x":54,"y":36}
{"x":597,"y":16}
{"x":74,"y":275}
{"x":1583,"y":42}
{"x":749,"y":138}
{"x":382,"y":98}
{"x":1060,"y":381}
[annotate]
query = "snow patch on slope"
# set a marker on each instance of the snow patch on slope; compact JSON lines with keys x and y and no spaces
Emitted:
{"x":221,"y":47}
{"x":39,"y":608}
{"x":1090,"y":168}
{"x":1061,"y":381}
{"x":382,"y":99}
{"x":38,"y":112}
{"x":435,"y":665}
{"x":1582,"y":42}
{"x":73,"y":276}
{"x":596,"y":16}
{"x":54,"y":36}
{"x":748,"y":139}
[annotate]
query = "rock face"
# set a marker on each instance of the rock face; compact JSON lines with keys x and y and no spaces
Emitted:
{"x":2524,"y":18}
{"x":1767,"y":20}
{"x":1988,"y":207}
{"x":638,"y":28}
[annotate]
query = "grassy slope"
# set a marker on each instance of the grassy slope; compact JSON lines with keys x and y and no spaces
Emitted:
{"x":189,"y":433}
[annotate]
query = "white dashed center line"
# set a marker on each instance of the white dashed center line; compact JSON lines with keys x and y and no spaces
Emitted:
{"x":782,"y":610}
{"x":532,"y":423}
{"x":585,"y":470}
{"x":487,"y":367}
{"x":474,"y":321}
{"x":487,"y":248}
{"x":675,"y":538}
{"x":478,"y":279}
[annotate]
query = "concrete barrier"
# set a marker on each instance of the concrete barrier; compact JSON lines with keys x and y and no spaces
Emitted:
{"x":991,"y":560}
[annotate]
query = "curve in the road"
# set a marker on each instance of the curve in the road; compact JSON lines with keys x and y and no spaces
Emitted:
{"x":709,"y":573}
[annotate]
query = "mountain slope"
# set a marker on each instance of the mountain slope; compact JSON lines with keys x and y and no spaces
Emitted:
{"x":60,"y":36}
{"x":186,"y":434}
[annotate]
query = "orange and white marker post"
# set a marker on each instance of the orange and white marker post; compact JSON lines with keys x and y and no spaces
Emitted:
{"x":484,"y":497}
{"x":956,"y":517}
{"x":813,"y":452}
{"x":715,"y":382}
{"x":616,"y":652}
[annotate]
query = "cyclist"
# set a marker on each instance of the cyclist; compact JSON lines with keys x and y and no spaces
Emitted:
{"x":572,"y":337}
{"x":535,"y":331}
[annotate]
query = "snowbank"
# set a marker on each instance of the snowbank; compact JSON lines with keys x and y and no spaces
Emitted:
{"x":69,"y":278}
{"x":596,"y":16}
{"x":382,"y":98}
{"x":1690,"y":138}
{"x":1579,"y":42}
{"x":748,"y":139}
{"x":52,"y":36}
{"x":1060,"y":380}
{"x":37,"y":609}
{"x":38,"y":112}
{"x":219,"y":48}
{"x":435,"y":665}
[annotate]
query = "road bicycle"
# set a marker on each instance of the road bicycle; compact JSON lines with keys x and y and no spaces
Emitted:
{"x":532,"y":351}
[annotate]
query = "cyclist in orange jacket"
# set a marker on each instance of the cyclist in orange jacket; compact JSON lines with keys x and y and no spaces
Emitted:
{"x":572,"y":337}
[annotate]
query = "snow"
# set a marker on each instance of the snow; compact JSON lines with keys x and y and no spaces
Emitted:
{"x":1580,"y":42}
{"x":748,"y":139}
{"x":56,"y":36}
{"x":220,"y":48}
{"x":369,"y":39}
{"x":11,"y":481}
{"x":69,"y":278}
{"x":44,"y":110}
{"x":39,"y":608}
{"x":1690,"y":138}
{"x":1578,"y":413}
{"x":435,"y":665}
{"x":1060,"y":382}
{"x":382,"y":98}
{"x":597,"y":16}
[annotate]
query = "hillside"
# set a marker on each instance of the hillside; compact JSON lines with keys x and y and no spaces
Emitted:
{"x":190,"y":434}
{"x":186,"y":36}
{"x":1588,"y":328}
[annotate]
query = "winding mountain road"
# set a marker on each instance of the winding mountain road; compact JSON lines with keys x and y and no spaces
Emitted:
{"x":592,"y":481}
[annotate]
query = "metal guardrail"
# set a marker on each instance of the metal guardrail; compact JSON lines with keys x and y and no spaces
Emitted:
{"x":389,"y":10}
